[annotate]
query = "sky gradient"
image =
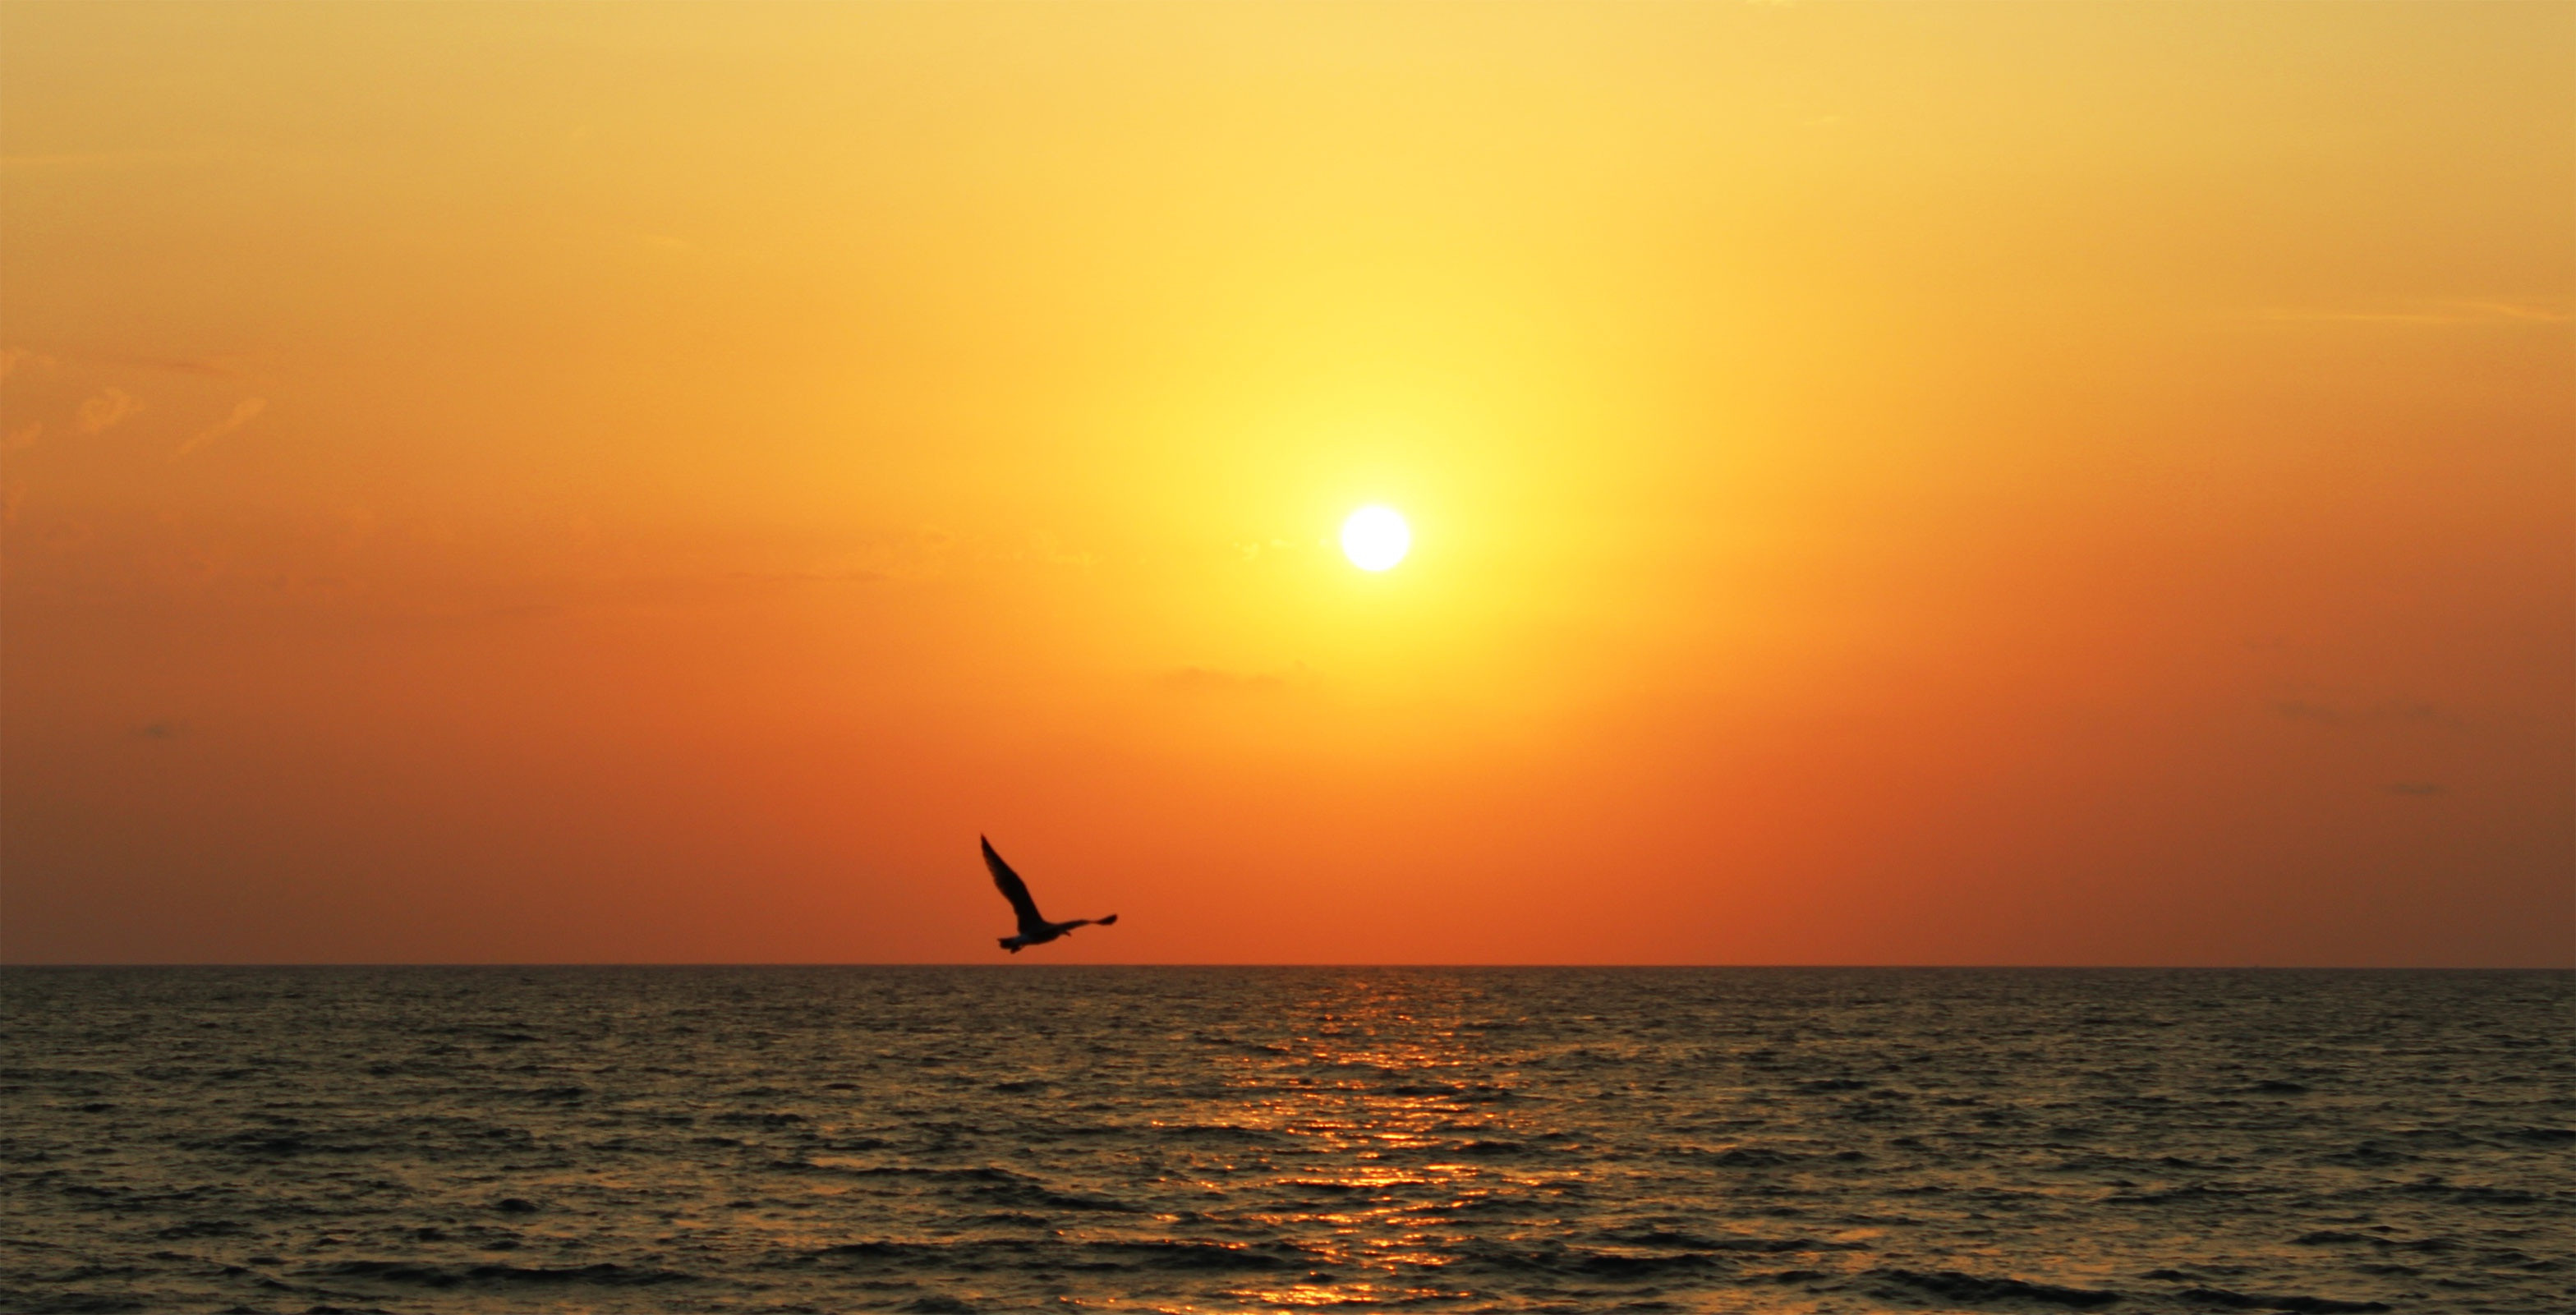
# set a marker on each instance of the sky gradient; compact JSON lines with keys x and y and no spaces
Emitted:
{"x":2002,"y":484}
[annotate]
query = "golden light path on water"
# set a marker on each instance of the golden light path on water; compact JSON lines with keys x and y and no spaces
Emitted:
{"x":1380,"y":1175}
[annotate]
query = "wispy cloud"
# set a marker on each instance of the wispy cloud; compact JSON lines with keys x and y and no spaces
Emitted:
{"x":13,"y":357}
{"x":923,"y":554}
{"x":109,"y":407}
{"x":242,"y":413}
{"x":1218,"y":680}
{"x":208,"y":367}
{"x":103,"y":159}
{"x":23,"y":437}
{"x":1043,"y":547}
{"x":2387,"y":712}
{"x":2426,"y":313}
{"x":822,"y":574}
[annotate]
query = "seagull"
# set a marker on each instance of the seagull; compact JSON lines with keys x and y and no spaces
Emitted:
{"x":1034,"y":928}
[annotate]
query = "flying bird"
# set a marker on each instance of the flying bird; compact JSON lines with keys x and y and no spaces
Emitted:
{"x":1034,"y":928}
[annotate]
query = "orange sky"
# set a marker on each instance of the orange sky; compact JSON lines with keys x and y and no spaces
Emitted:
{"x":2076,"y":484}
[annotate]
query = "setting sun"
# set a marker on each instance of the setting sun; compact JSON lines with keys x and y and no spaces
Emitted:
{"x":1376,"y":538}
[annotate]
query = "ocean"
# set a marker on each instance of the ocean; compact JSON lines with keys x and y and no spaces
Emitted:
{"x":1028,"y":1137}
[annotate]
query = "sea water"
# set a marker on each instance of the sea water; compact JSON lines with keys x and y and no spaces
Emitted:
{"x":1223,"y":1139}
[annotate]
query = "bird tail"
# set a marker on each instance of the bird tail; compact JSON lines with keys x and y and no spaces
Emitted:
{"x":1108,"y":920}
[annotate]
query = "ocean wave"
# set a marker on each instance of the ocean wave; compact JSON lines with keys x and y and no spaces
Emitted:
{"x":722,"y":1141}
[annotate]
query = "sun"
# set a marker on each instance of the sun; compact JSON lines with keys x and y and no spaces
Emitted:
{"x":1376,"y":538}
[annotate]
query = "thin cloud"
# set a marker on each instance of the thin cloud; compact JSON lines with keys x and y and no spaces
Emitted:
{"x":2418,"y":789}
{"x":103,"y":159}
{"x":163,"y":730}
{"x":242,"y":413}
{"x":2432,"y":313}
{"x":2507,"y":310}
{"x":1043,"y":547}
{"x":205,"y":367}
{"x":2385,"y":713}
{"x":822,"y":574}
{"x":2301,"y":710}
{"x":527,"y":611}
{"x":111,"y":406}
{"x":12,"y":357}
{"x":23,"y":437}
{"x":1218,"y":680}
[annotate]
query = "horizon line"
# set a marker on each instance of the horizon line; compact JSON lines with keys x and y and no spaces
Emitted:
{"x":958,"y":963}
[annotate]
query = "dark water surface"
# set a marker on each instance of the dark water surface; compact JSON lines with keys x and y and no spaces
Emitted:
{"x":968,"y":1139}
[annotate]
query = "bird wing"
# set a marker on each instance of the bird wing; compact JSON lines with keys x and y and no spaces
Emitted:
{"x":1013,"y":889}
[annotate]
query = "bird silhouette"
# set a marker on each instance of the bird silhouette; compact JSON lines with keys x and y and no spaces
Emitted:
{"x":1034,"y":928}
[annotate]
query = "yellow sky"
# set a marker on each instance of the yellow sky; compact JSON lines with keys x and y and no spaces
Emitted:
{"x":1891,"y":483}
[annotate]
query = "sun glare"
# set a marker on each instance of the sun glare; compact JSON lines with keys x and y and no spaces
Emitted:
{"x":1375,"y":538}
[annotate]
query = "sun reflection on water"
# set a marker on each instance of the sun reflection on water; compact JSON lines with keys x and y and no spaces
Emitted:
{"x":1381,"y":1106}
